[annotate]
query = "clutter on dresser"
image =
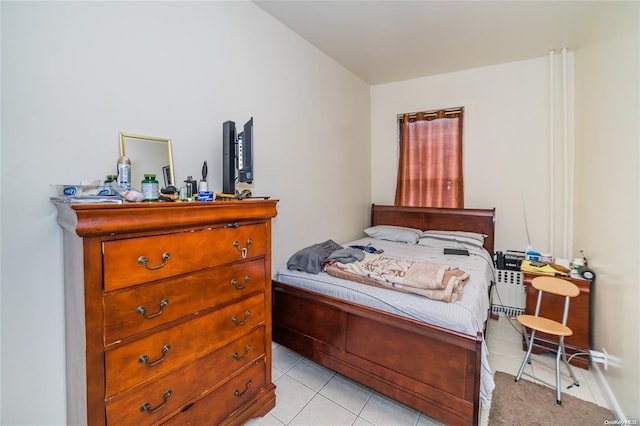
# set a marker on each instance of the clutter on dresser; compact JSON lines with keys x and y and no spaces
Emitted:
{"x":87,"y":192}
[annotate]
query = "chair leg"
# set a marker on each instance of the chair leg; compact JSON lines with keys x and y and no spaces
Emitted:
{"x":563,"y":355}
{"x":569,"y":369}
{"x":558,"y":356}
{"x":528,"y":355}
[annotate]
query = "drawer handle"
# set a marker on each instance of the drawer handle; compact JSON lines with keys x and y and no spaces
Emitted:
{"x":143,"y":311}
{"x":147,"y":407}
{"x":239,"y":323}
{"x":238,"y":286}
{"x":239,"y":357}
{"x":142,"y":260}
{"x":145,"y":359}
{"x":243,"y":250}
{"x":246,"y":388}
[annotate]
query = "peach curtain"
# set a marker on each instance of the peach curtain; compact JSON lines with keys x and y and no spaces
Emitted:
{"x":430,"y":163}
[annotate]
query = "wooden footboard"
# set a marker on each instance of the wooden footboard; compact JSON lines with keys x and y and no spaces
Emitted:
{"x":429,"y":368}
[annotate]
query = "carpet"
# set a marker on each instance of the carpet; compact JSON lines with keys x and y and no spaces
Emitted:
{"x":528,"y":403}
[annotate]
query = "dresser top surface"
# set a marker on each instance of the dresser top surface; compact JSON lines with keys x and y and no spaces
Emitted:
{"x":99,"y":219}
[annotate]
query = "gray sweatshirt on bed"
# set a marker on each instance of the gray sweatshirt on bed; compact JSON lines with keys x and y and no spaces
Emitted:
{"x":347,"y":255}
{"x":310,"y":259}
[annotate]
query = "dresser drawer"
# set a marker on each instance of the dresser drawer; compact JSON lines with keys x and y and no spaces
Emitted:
{"x":134,"y":362}
{"x":216,"y":406}
{"x":133,"y":261}
{"x":140,"y":308}
{"x":177,"y":388}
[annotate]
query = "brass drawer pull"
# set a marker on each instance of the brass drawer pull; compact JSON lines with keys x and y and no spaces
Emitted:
{"x":239,"y":357}
{"x":143,"y":311}
{"x":142,"y":260}
{"x":246,"y":388}
{"x":238,"y":286}
{"x":144,"y":359}
{"x":243,"y":250}
{"x":147,"y":407}
{"x":239,"y":323}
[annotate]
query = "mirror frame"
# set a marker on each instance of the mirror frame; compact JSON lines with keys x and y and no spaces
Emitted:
{"x":124,"y":136}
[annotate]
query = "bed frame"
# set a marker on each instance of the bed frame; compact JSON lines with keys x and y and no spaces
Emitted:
{"x":429,"y":368}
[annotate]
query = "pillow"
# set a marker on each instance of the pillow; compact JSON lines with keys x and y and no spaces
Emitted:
{"x":394,"y":233}
{"x":452,"y":239}
{"x":474,"y":235}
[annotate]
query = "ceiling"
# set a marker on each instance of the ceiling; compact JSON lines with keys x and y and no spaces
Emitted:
{"x":385,"y":41}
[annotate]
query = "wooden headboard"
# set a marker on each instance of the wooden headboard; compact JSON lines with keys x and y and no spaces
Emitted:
{"x":481,"y":221}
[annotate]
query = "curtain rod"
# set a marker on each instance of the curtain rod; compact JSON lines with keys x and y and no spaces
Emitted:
{"x":434,"y":113}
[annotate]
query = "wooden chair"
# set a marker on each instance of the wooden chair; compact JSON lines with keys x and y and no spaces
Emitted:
{"x":535,"y":323}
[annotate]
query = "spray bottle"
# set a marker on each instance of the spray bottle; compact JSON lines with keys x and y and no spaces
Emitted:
{"x":124,"y":172}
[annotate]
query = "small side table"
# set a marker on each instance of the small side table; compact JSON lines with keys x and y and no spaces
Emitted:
{"x":579,"y":319}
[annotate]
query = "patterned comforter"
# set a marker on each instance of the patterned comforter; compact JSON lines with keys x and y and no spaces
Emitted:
{"x":434,"y":280}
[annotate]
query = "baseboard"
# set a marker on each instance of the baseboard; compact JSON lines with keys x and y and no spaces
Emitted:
{"x":607,"y":393}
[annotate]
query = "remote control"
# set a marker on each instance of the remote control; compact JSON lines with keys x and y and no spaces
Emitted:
{"x":460,"y":252}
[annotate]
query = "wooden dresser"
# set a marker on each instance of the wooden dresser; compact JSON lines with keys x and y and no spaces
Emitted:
{"x":579,"y":319}
{"x":168,"y":312}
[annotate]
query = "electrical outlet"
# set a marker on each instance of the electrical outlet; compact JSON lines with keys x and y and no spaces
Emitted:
{"x":600,"y":357}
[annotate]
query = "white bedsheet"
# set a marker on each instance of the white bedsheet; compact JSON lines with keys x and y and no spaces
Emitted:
{"x":467,"y":315}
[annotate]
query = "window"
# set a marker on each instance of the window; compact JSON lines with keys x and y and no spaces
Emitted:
{"x":430,"y":160}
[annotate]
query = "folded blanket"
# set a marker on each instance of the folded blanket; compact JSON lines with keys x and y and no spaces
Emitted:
{"x":310,"y":259}
{"x":436,"y":281}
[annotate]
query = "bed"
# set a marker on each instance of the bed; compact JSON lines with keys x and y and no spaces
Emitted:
{"x":438,"y":369}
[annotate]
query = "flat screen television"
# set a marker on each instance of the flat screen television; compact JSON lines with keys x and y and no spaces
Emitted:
{"x":237,"y":155}
{"x":245,"y":153}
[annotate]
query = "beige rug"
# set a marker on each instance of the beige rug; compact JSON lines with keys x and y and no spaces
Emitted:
{"x":528,"y":403}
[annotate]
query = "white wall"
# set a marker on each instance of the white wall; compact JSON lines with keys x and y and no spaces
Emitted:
{"x":505,"y":141}
{"x":74,"y":74}
{"x":608,"y":189}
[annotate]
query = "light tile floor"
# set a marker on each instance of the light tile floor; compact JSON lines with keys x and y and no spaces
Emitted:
{"x":308,"y":394}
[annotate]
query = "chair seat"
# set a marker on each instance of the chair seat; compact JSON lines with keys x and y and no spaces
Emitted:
{"x":544,"y":325}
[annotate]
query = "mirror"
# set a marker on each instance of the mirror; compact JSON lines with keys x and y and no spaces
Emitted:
{"x":148,"y":154}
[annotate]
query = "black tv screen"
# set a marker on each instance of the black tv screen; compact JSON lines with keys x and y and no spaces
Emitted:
{"x":245,"y":153}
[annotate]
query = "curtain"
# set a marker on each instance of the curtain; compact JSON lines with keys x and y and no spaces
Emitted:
{"x":430,"y":160}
